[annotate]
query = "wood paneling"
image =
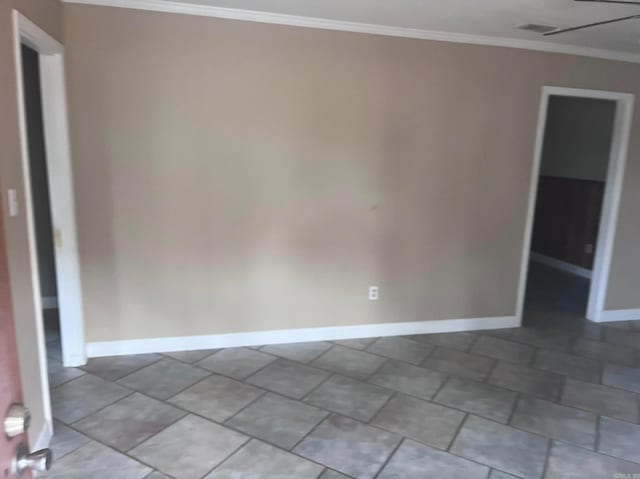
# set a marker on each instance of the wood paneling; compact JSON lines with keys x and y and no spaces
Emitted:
{"x":567,"y":217}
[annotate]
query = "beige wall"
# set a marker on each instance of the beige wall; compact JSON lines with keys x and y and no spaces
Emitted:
{"x":235,"y":176}
{"x":577,"y":140}
{"x":47,"y":14}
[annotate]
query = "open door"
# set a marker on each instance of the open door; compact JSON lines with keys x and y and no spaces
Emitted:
{"x":15,"y":459}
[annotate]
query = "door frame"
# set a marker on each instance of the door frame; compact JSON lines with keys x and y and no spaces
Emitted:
{"x":611,"y":200}
{"x":58,"y":159}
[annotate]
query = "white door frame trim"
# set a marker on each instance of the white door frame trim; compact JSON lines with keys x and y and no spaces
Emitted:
{"x":611,"y":200}
{"x":58,"y":157}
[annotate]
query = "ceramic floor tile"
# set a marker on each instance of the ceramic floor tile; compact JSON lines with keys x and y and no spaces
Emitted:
{"x":571,"y":462}
{"x":620,"y":439}
{"x":259,"y":460}
{"x":459,"y":363}
{"x":97,"y":462}
{"x":156,"y":475}
{"x":189,"y":448}
{"x":288,"y":378}
{"x":408,"y":379}
{"x":164,"y":378}
{"x":349,"y":447}
{"x":622,"y":337}
{"x":83,"y":396}
{"x":527,"y":380}
{"x":129,"y":421}
{"x":500,"y":475}
{"x":542,"y":338}
{"x":116,"y":367}
{"x":575,"y":367}
{"x":58,"y":374}
{"x":503,"y":350}
{"x":349,"y":362}
{"x":65,"y":440}
{"x":303,"y":352}
{"x":555,"y":421}
{"x":191,"y":356}
{"x":238,"y":363}
{"x":622,"y":377}
{"x":477,"y":398}
{"x":601,"y":399}
{"x":349,"y":397}
{"x":329,"y":474}
{"x":507,"y":449}
{"x":461,"y":341}
{"x":416,"y":461}
{"x":216,"y":397}
{"x":360,"y":343}
{"x":613,"y":353}
{"x":277,"y":420}
{"x":422,"y":421}
{"x":402,"y":349}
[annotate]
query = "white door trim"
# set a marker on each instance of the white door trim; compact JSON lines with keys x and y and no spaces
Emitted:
{"x":611,"y":200}
{"x":58,"y":157}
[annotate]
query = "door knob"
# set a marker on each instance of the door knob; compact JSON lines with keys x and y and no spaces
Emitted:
{"x":17,"y":420}
{"x":39,"y":461}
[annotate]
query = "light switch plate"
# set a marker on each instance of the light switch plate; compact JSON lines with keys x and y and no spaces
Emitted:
{"x":13,"y":202}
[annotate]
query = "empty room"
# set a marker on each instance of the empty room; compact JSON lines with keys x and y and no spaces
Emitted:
{"x":312,"y":239}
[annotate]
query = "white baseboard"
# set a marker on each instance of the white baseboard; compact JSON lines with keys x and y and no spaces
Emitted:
{"x":50,"y":302}
{"x":215,"y":341}
{"x":561,"y":265}
{"x":618,"y":315}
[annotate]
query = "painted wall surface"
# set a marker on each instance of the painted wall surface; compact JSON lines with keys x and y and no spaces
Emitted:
{"x":577,"y":140}
{"x":234,"y":176}
{"x":47,"y":14}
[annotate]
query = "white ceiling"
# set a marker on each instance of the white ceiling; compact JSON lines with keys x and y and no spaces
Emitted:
{"x":492,"y":18}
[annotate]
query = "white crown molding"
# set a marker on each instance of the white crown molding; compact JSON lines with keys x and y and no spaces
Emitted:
{"x":168,"y":6}
{"x":258,"y":338}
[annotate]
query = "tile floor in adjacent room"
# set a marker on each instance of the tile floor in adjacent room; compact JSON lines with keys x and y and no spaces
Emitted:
{"x":557,"y":398}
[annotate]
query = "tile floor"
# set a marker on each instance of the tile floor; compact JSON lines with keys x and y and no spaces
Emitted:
{"x":558,"y":398}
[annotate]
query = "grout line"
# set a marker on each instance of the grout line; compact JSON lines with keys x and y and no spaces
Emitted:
{"x":455,"y":434}
{"x":304,"y":398}
{"x":375,"y":371}
{"x":534,"y":355}
{"x":245,"y":407}
{"x":228,"y":457}
{"x":310,"y":431}
{"x":473,"y":343}
{"x":121,"y":452}
{"x":440,"y":388}
{"x":490,"y":372}
{"x":377,"y":413}
{"x":129,"y":373}
{"x":547,"y":456}
{"x":393,"y":452}
{"x":514,"y":407}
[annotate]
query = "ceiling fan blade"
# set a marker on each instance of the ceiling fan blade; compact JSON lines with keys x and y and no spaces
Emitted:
{"x":605,"y":22}
{"x":621,"y":2}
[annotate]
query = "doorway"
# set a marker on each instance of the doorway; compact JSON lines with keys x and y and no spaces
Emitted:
{"x":579,"y":161}
{"x":48,"y":189}
{"x":40,"y":200}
